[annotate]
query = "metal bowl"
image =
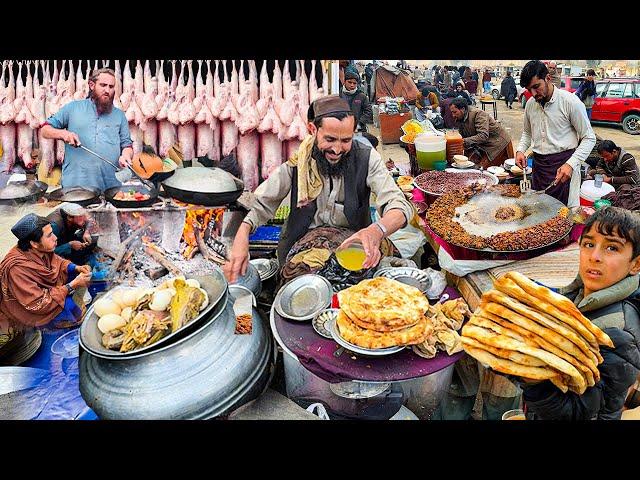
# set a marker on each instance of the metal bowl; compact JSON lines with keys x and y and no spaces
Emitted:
{"x":372,"y":352}
{"x":303,"y":297}
{"x":267,"y":268}
{"x":320,"y":322}
{"x":407,"y":275}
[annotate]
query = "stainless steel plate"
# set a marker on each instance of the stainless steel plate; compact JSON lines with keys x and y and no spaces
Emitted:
{"x":373,"y":352}
{"x":91,"y":337}
{"x":407,"y":275}
{"x":319,"y":323}
{"x":267,"y":268}
{"x":303,"y":297}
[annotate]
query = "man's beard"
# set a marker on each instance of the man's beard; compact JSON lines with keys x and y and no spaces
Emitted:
{"x":325,"y":167}
{"x":103,"y":106}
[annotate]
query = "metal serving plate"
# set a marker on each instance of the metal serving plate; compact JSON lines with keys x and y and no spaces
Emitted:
{"x":303,"y":297}
{"x":491,"y":179}
{"x":407,"y":275}
{"x":320,"y":322}
{"x":91,"y":337}
{"x":267,"y":268}
{"x":372,"y":352}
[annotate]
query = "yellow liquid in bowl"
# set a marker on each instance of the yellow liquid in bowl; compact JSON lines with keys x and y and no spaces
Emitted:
{"x":351,"y":258}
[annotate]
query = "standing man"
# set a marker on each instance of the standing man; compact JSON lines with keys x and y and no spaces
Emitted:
{"x":586,"y":92}
{"x":558,"y":131}
{"x":486,"y":142}
{"x":486,"y":81}
{"x":555,"y":76}
{"x":358,"y":101}
{"x":96,"y":123}
{"x":508,"y":90}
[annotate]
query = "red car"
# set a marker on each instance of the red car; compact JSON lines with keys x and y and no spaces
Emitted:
{"x":617,"y":101}
{"x":568,"y":83}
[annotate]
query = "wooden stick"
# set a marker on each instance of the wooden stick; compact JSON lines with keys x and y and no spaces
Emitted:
{"x":159,"y":257}
{"x":207,"y":253}
{"x":124,"y":246}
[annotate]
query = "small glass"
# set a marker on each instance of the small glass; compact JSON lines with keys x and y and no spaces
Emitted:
{"x":597,"y":180}
{"x":516,"y":414}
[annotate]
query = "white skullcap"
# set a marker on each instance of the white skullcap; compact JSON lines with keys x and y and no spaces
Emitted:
{"x":73,"y":209}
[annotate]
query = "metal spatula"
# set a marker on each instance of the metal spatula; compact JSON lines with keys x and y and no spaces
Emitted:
{"x":123,"y":175}
{"x":543,"y":191}
{"x":525,"y":185}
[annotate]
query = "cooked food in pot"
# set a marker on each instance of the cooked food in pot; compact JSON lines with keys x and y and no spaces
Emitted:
{"x":131,"y":196}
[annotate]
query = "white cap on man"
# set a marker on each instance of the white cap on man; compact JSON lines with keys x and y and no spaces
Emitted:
{"x":73,"y":209}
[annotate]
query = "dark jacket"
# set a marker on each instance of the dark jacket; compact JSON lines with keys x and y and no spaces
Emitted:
{"x":356,"y":200}
{"x":64,"y":234}
{"x":508,"y":88}
{"x":611,"y":310}
{"x":480,"y":130}
{"x":587,"y":89}
{"x":360,"y":106}
{"x":623,"y":170}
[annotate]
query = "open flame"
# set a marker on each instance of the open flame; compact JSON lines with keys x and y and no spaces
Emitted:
{"x":199,"y":218}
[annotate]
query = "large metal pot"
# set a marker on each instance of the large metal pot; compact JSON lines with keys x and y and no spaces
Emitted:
{"x":206,"y":374}
{"x":421,"y":395}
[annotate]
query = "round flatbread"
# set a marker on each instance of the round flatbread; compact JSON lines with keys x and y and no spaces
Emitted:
{"x":372,"y":339}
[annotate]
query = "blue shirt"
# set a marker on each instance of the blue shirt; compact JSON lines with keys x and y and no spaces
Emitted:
{"x":106,"y":134}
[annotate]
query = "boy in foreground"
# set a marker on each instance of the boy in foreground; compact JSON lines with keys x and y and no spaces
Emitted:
{"x":608,"y":280}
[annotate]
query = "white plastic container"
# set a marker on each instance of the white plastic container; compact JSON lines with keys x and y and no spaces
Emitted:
{"x":429,"y":149}
{"x":589,"y":193}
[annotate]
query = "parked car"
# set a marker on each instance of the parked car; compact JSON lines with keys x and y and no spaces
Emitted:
{"x":617,"y":102}
{"x":568,"y":83}
{"x":495,"y":89}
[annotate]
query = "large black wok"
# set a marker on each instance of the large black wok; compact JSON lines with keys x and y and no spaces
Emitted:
{"x":111,"y":192}
{"x":81,"y":195}
{"x":22,"y":192}
{"x":183,"y":186}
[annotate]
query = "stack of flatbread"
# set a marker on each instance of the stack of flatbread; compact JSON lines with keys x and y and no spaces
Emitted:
{"x":524,"y":329}
{"x":381,"y":313}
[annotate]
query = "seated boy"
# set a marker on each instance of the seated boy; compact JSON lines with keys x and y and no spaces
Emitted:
{"x":608,"y":278}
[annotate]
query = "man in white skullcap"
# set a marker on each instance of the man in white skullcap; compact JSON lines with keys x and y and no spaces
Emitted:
{"x":70,"y":224}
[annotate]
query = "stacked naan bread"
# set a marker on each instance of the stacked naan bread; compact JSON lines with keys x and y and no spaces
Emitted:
{"x":381,"y":313}
{"x":524,"y":329}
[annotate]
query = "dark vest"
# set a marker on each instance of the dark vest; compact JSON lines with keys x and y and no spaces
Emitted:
{"x":356,"y":200}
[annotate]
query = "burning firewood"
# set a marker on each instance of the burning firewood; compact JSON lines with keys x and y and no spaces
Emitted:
{"x":155,"y":253}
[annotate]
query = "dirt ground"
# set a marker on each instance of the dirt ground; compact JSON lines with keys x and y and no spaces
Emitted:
{"x":512,"y":120}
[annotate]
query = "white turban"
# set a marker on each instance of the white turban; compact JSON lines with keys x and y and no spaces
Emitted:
{"x":73,"y":209}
